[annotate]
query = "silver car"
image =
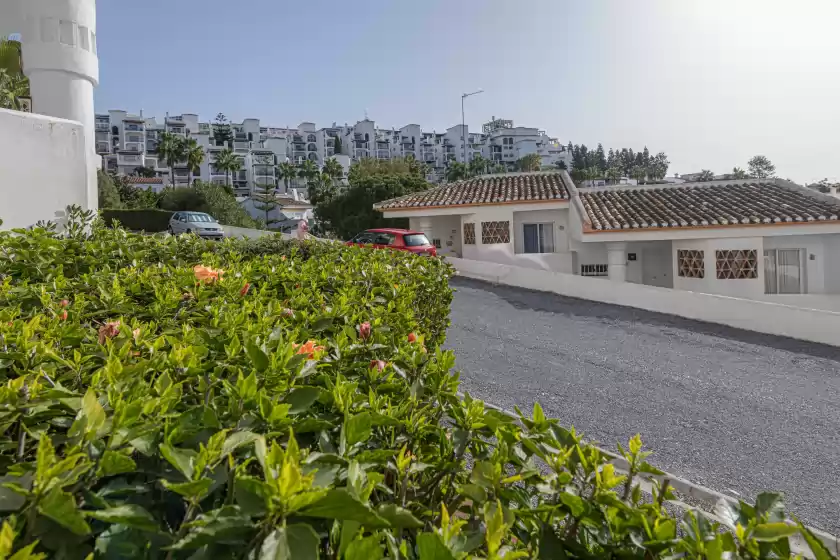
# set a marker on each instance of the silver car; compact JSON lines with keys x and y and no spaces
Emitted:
{"x":199,"y":223}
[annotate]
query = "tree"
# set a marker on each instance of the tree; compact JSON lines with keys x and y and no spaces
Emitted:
{"x":286,"y":172}
{"x":351,"y":211}
{"x":265,"y":200}
{"x":659,"y":166}
{"x":456,"y":171}
{"x":13,"y":84}
{"x":194,"y":155}
{"x":530,"y":162}
{"x":738,"y":173}
{"x":561,"y":164}
{"x":172,"y":149}
{"x":593,"y":173}
{"x":109,"y":196}
{"x":222,"y":133}
{"x":761,"y":167}
{"x":210,"y":198}
{"x":600,"y":158}
{"x":614,"y":174}
{"x":478,"y":166}
{"x":308,"y":171}
{"x":143,"y":171}
{"x":333,"y":169}
{"x":228,"y":162}
{"x":638,"y":172}
{"x":706,"y":175}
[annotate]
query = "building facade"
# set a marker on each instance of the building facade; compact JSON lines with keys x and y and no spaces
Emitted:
{"x":127,"y":141}
{"x":746,"y":239}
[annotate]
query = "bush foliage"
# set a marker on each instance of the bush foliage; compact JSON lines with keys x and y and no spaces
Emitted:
{"x":167,"y":397}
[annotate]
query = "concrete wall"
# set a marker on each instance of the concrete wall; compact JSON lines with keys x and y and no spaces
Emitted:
{"x":446,"y":229}
{"x":43,"y":168}
{"x":770,"y":318}
{"x":710,"y":284}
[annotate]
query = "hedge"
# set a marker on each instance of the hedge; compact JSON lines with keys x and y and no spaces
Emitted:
{"x":176,"y":398}
{"x":146,"y":219}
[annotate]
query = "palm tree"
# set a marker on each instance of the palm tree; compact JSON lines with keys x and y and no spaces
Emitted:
{"x":333,"y":169}
{"x":478,"y":165}
{"x":308,"y":169}
{"x":614,"y":173}
{"x":195,"y":157}
{"x":638,"y":172}
{"x":706,"y":175}
{"x":172,"y":149}
{"x":229,"y":162}
{"x":738,"y":173}
{"x":531,"y":162}
{"x":286,"y":172}
{"x":456,"y":171}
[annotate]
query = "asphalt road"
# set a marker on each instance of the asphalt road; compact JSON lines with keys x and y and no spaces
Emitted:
{"x":732,"y":410}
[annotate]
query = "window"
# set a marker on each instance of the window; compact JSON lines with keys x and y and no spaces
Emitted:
{"x":784,"y":271}
{"x":691,"y":264}
{"x":436,"y":243}
{"x":469,"y":234}
{"x":384,"y":239}
{"x":495,"y":232}
{"x":594,"y":270}
{"x":737,"y":264}
{"x":539,"y":238}
{"x":415,"y":240}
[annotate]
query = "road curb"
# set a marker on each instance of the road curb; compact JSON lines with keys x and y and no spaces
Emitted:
{"x":697,"y":492}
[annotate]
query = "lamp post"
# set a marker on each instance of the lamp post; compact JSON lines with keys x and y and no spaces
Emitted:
{"x":463,"y":122}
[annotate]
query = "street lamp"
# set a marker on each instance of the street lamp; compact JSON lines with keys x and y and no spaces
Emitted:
{"x":463,"y":123}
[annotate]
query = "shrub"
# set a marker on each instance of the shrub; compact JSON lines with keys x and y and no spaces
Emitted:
{"x":148,"y":219}
{"x":173,"y":398}
{"x":210,"y":198}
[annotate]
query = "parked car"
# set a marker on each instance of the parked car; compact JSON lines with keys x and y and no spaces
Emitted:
{"x":398,"y":239}
{"x":199,"y":223}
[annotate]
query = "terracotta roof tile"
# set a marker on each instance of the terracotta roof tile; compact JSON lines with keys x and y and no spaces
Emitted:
{"x":490,"y":189}
{"x":681,"y":206}
{"x":144,"y":180}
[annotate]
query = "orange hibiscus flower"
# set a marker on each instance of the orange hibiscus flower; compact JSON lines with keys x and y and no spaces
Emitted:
{"x":206,"y":274}
{"x":309,"y":349}
{"x":108,"y":330}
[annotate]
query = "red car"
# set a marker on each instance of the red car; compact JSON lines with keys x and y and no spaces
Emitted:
{"x":399,"y":239}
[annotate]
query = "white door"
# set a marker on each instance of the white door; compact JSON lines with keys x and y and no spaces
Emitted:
{"x":656,"y":267}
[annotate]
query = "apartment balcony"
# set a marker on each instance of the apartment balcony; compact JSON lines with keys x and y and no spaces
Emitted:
{"x":103,"y":148}
{"x":102,"y":127}
{"x":178,"y":131}
{"x":429,"y":156}
{"x":134,"y":146}
{"x":330,"y":152}
{"x":129,"y":159}
{"x":383,"y":154}
{"x":133,"y":127}
{"x":299,"y":155}
{"x":330,"y":141}
{"x":241,"y":146}
{"x":151,"y":163}
{"x":360,"y":153}
{"x":362,"y":145}
{"x":297,"y":139}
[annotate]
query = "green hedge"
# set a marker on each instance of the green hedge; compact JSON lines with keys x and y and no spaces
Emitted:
{"x":169,"y":397}
{"x":147,"y":219}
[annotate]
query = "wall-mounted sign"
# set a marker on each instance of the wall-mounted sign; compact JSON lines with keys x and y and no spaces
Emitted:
{"x":631,"y":256}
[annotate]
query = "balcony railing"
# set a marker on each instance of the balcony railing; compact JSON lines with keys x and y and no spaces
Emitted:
{"x":134,"y":146}
{"x":103,"y":127}
{"x":103,"y":148}
{"x":178,"y":131}
{"x":383,"y":154}
{"x":241,"y":146}
{"x":134,"y":127}
{"x":124,"y":159}
{"x":429,"y":156}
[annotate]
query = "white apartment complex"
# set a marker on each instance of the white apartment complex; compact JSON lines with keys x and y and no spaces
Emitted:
{"x":127,"y":142}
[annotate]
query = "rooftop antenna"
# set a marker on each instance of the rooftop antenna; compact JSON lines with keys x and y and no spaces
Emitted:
{"x":366,"y":115}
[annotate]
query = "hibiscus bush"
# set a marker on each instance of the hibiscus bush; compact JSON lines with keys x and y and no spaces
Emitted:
{"x":174,"y":398}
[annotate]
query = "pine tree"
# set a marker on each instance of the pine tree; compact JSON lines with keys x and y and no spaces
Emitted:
{"x":646,"y":161}
{"x":600,"y":159}
{"x":611,"y":159}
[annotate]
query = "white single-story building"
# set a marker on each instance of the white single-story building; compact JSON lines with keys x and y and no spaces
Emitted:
{"x":737,"y":238}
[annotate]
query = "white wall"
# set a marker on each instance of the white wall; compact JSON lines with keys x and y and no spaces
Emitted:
{"x":815,"y":268}
{"x":749,"y":288}
{"x":770,"y":318}
{"x":43,"y":168}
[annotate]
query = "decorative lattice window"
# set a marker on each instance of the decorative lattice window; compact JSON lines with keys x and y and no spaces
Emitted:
{"x":691,"y":264}
{"x":495,"y":232}
{"x":734,"y":264}
{"x":594,"y":270}
{"x":469,"y":234}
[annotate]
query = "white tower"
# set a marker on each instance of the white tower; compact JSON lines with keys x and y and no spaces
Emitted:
{"x":58,"y":39}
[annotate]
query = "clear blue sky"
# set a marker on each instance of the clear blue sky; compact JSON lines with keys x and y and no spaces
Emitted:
{"x":711,"y":82}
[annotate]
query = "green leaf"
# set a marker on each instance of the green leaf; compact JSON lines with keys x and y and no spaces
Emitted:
{"x":814,"y":543}
{"x":295,"y":542}
{"x":349,"y":530}
{"x":225,"y":524}
{"x":574,"y":503}
{"x":322,"y":324}
{"x":770,"y":506}
{"x":398,"y":517}
{"x":61,"y":508}
{"x":127,"y":514}
{"x":7,"y":539}
{"x":92,"y":412}
{"x":258,"y":357}
{"x":769,"y":532}
{"x":339,"y":504}
{"x":365,"y":549}
{"x":195,"y":489}
{"x":430,"y":547}
{"x":181,"y":459}
{"x":28,"y":553}
{"x":237,"y":440}
{"x":114,"y":462}
{"x":665,"y":530}
{"x":357,"y":428}
{"x":301,"y":399}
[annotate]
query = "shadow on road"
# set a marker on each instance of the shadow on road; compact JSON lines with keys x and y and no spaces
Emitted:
{"x":522,"y":298}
